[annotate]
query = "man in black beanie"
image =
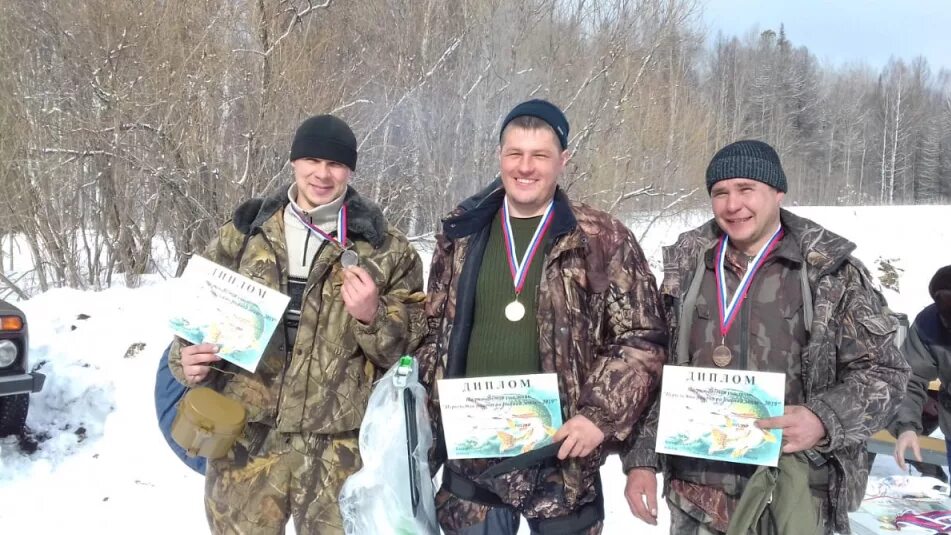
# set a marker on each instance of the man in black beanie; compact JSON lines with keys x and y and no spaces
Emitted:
{"x":356,"y":306}
{"x":526,"y":282}
{"x":928,"y":350}
{"x":759,"y":288}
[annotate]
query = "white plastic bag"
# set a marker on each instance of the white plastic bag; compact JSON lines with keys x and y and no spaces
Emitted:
{"x":393,"y":493}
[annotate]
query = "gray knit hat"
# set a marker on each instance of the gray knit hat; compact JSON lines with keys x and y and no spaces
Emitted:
{"x":748,"y":158}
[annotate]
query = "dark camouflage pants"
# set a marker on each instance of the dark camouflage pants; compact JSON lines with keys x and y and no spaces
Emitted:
{"x":296,"y":476}
{"x":460,"y":517}
{"x":688,"y":519}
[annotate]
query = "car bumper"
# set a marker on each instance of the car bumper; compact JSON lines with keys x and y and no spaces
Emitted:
{"x":21,"y":384}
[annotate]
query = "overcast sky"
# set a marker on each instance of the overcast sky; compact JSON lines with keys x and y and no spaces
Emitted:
{"x":846,"y":31}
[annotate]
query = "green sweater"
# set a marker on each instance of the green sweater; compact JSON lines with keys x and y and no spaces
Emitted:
{"x":498,"y":346}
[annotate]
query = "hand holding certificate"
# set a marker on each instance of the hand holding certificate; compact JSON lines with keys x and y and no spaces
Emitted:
{"x":712,"y":413}
{"x":801,"y":428}
{"x":500,"y":416}
{"x":227,"y":309}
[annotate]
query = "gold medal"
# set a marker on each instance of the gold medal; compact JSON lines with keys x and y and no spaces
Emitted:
{"x":722,"y":356}
{"x":514,"y":311}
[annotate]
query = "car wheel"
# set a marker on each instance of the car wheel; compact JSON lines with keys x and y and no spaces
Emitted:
{"x":13,"y":414}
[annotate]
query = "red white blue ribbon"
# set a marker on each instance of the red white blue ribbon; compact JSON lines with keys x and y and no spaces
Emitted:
{"x":341,"y":239}
{"x":729,"y":309}
{"x":936,"y":520}
{"x":519,"y":270}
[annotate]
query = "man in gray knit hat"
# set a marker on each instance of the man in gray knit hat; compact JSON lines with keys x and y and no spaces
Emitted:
{"x":759,"y":288}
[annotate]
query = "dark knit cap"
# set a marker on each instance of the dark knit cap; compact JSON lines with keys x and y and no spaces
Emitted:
{"x":747,"y":159}
{"x":941,"y":281}
{"x":325,"y":137}
{"x":544,"y":110}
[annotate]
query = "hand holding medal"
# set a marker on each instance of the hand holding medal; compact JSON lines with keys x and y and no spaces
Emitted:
{"x":360,"y":295}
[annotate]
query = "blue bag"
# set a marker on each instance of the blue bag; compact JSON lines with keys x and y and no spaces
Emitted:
{"x":167,"y":393}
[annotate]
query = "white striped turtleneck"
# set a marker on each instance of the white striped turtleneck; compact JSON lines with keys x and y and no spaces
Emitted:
{"x":302,"y":244}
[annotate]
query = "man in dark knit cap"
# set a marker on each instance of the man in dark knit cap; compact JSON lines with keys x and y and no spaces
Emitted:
{"x":523,"y":282}
{"x":356,"y":306}
{"x":803,"y":307}
{"x":928,"y":350}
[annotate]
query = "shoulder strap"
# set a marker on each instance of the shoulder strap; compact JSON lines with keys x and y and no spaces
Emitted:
{"x":686,"y":319}
{"x":807,"y":304}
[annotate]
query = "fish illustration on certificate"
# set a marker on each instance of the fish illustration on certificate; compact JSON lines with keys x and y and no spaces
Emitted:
{"x":222,"y":307}
{"x":709,"y":413}
{"x":499,"y":416}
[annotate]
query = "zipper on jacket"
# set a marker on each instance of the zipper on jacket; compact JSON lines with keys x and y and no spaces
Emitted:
{"x":745,"y":331}
{"x":288,"y":348}
{"x":311,"y":284}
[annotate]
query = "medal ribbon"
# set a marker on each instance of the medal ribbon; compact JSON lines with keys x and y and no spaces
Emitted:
{"x":729,"y":309}
{"x":341,"y":226}
{"x":519,"y":270}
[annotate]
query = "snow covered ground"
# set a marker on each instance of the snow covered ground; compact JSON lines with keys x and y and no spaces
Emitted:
{"x":103,"y":467}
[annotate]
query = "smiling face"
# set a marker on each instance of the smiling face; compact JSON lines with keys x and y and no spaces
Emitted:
{"x":747,"y":211}
{"x":319,"y":181}
{"x":531,"y":160}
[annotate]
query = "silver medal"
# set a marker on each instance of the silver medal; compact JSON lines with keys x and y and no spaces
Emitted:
{"x":349,"y":258}
{"x":514,"y":311}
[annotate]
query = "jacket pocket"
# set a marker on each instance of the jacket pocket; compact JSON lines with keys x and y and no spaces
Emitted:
{"x":880,"y":325}
{"x":703,"y":311}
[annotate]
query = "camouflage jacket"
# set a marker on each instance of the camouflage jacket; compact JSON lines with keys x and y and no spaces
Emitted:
{"x":852,"y":375}
{"x":322,"y":383}
{"x":928,"y":351}
{"x":600,"y":329}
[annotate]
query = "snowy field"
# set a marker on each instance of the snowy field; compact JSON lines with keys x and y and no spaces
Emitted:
{"x":103,"y":467}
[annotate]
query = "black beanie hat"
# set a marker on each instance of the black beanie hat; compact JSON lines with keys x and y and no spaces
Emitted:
{"x":747,"y":159}
{"x":325,"y":137}
{"x":940,"y":290}
{"x":544,"y":110}
{"x":941,"y":281}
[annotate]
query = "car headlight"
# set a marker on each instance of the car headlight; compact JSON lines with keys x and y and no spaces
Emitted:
{"x":8,"y":353}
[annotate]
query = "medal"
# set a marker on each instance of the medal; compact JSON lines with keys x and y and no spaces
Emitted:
{"x":722,"y":356}
{"x":515,"y":311}
{"x":349,"y":258}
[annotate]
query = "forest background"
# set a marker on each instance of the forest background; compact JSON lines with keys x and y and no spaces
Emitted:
{"x":127,"y":124}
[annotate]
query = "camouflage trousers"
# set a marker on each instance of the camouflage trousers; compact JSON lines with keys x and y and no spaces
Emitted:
{"x":297,"y":475}
{"x":688,"y":519}
{"x":461,"y":517}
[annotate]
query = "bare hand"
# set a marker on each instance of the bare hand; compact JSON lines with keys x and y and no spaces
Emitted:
{"x":642,"y":487}
{"x":802,"y":429}
{"x":196,"y":360}
{"x":905,"y":439}
{"x":580,"y":436}
{"x":360,"y":296}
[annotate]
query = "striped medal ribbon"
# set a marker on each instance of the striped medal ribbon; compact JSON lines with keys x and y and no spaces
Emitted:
{"x":515,"y":311}
{"x":722,"y":356}
{"x":349,"y":258}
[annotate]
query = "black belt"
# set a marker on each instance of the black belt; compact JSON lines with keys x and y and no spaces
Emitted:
{"x":464,"y":488}
{"x":574,"y":522}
